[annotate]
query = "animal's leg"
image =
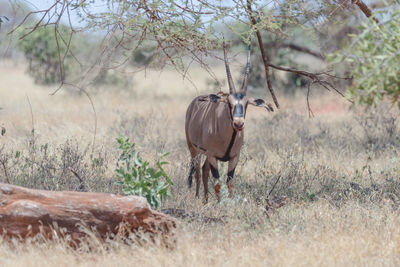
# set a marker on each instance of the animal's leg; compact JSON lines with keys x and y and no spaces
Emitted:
{"x":230,"y":183}
{"x":205,"y":174}
{"x":214,"y":170}
{"x":190,"y":177}
{"x":193,"y":155}
{"x":231,"y":172}
{"x":197,"y":174}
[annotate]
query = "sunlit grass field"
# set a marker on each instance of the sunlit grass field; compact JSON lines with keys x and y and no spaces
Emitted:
{"x":339,"y":171}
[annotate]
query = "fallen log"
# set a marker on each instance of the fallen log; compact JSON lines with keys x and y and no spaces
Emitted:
{"x":27,"y":212}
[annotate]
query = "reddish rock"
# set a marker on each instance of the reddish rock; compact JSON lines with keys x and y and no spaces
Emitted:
{"x":25,"y":212}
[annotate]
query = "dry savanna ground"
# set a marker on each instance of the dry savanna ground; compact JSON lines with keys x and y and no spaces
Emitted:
{"x":339,"y":171}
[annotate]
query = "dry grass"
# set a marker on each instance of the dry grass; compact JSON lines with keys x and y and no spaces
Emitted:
{"x":339,"y":171}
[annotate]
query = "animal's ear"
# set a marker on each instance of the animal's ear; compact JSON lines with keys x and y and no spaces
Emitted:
{"x":216,"y":98}
{"x":260,"y":103}
{"x":256,"y":102}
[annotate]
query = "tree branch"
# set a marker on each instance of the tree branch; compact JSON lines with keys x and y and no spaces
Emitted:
{"x":263,"y":54}
{"x":296,"y":48}
{"x":317,"y":77}
{"x":365,"y":9}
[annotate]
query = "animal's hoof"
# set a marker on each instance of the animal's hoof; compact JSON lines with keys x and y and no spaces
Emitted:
{"x":230,"y":190}
{"x":217,"y":189}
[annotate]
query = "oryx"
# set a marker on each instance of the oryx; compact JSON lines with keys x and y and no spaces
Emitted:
{"x":214,"y":127}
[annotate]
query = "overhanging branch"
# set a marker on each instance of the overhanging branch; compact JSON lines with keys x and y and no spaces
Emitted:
{"x":317,"y":77}
{"x":365,"y":9}
{"x":296,"y":47}
{"x":263,"y":54}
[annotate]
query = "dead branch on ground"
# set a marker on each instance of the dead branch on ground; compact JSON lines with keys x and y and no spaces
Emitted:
{"x":82,"y":187}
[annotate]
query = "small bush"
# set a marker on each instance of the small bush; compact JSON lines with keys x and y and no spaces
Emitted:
{"x":67,"y":166}
{"x":139,"y":178}
{"x":43,"y":54}
{"x":373,"y":59}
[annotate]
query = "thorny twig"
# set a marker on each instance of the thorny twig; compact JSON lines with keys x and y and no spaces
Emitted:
{"x":3,"y":162}
{"x":32,"y":120}
{"x":320,"y":78}
{"x":81,"y":89}
{"x":38,"y":24}
{"x":276,"y":182}
{"x":82,"y":187}
{"x":310,"y":112}
{"x":33,"y":140}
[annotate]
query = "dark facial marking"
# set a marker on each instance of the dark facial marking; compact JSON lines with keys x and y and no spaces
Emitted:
{"x":238,"y":110}
{"x":238,"y":96}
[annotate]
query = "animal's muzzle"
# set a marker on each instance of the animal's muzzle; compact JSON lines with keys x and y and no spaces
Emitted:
{"x":238,"y":125}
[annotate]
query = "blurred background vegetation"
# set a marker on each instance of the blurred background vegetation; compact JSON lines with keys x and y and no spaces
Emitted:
{"x":77,"y":42}
{"x":339,"y":169}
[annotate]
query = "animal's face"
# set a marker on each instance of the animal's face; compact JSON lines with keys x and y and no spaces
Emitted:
{"x":237,"y":100}
{"x":238,"y":105}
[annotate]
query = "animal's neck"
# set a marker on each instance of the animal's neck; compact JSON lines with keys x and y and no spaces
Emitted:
{"x":231,"y":134}
{"x":228,"y":151}
{"x":224,"y":123}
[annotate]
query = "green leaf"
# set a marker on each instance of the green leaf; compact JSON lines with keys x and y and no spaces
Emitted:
{"x":3,"y":131}
{"x":143,"y":178}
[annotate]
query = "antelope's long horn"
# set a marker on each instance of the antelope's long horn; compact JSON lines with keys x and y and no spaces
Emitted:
{"x":232,"y":89}
{"x":246,"y":73}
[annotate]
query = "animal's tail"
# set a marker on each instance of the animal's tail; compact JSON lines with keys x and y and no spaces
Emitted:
{"x":190,"y":177}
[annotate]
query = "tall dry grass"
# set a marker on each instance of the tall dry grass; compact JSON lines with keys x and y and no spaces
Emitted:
{"x":339,"y":171}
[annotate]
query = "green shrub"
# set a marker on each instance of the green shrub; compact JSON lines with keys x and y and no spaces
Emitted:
{"x":373,"y":58}
{"x":43,"y":54}
{"x":139,"y":178}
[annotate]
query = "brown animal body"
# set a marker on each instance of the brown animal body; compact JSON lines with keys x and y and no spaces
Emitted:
{"x":214,"y":128}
